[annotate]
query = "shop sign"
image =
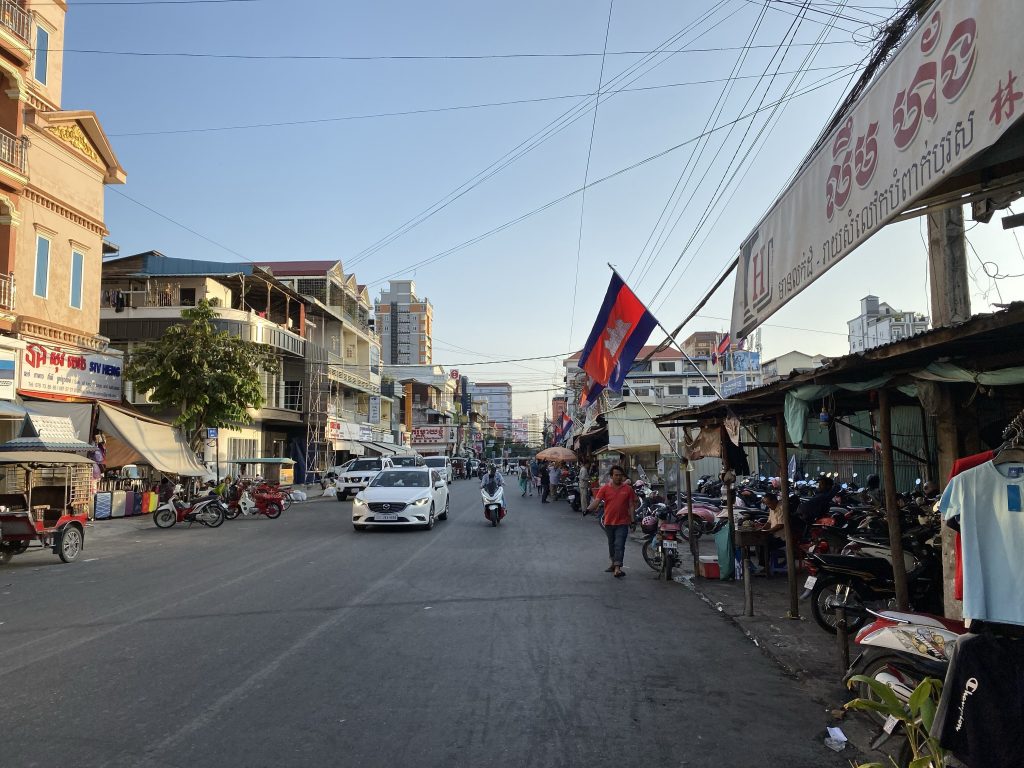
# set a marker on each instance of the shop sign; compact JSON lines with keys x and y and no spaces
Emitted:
{"x":365,"y":432}
{"x":374,"y":415}
{"x":56,"y":371}
{"x":7,"y":369}
{"x":953,"y":89}
{"x":334,"y":431}
{"x":433,"y":434}
{"x":734,"y":386}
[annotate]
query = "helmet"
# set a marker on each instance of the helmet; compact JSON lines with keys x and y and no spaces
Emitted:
{"x":649,"y":524}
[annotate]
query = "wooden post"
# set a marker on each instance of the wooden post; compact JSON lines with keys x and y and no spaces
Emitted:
{"x":892,"y":512}
{"x":842,"y":637}
{"x":947,"y":449}
{"x":694,"y":544}
{"x":780,"y":434}
{"x":748,"y":587}
{"x":947,"y":267}
{"x":730,"y":497}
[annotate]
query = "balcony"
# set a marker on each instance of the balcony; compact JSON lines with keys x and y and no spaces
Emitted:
{"x":7,"y":293}
{"x":12,"y":150}
{"x":15,"y":18}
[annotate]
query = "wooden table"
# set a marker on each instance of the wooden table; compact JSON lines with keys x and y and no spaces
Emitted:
{"x":747,"y":539}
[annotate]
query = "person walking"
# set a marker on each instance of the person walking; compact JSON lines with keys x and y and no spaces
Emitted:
{"x":619,"y":503}
{"x":525,"y":483}
{"x":554,"y":476}
{"x":545,"y":482}
{"x":535,"y":475}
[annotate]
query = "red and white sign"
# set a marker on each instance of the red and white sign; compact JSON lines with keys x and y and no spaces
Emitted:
{"x":455,"y":373}
{"x":954,"y":88}
{"x":55,"y":371}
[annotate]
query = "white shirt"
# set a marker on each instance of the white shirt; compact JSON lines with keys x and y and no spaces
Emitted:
{"x":991,"y":509}
{"x":774,"y":519}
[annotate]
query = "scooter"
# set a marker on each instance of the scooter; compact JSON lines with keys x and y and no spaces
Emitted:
{"x":493,"y":496}
{"x":207,"y":510}
{"x":262,"y":500}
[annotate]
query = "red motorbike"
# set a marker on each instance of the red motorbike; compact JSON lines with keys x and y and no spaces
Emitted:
{"x":207,"y":510}
{"x":262,"y":499}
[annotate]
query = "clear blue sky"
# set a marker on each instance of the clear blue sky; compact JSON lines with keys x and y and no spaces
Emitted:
{"x":332,"y":189}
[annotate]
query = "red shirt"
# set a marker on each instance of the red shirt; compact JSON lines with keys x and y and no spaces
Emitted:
{"x":617,"y":500}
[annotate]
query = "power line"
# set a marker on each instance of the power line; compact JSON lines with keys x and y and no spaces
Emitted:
{"x":586,"y":177}
{"x":432,"y":110}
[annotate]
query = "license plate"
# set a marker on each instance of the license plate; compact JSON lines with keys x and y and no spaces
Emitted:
{"x":811,"y":581}
{"x":668,"y":545}
{"x":385,"y":517}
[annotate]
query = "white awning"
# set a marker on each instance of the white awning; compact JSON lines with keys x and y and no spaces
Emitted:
{"x":134,"y":439}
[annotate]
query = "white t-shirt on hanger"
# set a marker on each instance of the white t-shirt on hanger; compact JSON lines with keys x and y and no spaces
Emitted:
{"x":989,"y":499}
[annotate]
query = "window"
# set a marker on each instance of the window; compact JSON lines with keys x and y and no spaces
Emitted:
{"x":187,"y":297}
{"x":42,"y":266}
{"x":693,"y":391}
{"x":709,"y":391}
{"x":42,"y":51}
{"x":675,"y":390}
{"x":644,"y":367}
{"x":663,"y":367}
{"x":77,"y":268}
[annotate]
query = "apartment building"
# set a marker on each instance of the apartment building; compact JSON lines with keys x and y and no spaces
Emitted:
{"x":54,"y":164}
{"x":498,"y":396}
{"x":534,"y":430}
{"x":431,"y":406}
{"x":879,"y":324}
{"x":406,"y":325}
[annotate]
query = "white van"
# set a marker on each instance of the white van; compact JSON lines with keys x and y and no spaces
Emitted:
{"x":443,"y":465}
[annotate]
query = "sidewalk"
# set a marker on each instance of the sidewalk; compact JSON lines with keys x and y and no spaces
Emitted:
{"x":801,"y":648}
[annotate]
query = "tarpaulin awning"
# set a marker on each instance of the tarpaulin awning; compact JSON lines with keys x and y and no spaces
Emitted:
{"x":630,"y":430}
{"x":352,"y":446}
{"x":135,"y":439}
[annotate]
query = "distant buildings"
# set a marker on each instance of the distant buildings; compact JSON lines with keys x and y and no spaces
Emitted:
{"x":791,"y":362}
{"x":405,"y":323}
{"x":498,"y":396}
{"x":534,"y":430}
{"x":879,"y":324}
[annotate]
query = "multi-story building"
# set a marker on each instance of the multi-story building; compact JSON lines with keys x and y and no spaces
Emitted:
{"x":498,"y":396}
{"x":791,"y":362}
{"x":431,"y":406}
{"x":534,"y":430}
{"x":519,"y":430}
{"x":54,"y":164}
{"x":406,"y":325}
{"x":878,"y":324}
{"x":319,"y":405}
{"x":701,"y":343}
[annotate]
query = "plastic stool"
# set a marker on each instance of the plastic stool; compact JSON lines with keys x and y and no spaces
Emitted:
{"x":777,"y":561}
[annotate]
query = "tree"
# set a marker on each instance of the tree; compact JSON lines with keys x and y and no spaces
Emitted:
{"x":210,"y":377}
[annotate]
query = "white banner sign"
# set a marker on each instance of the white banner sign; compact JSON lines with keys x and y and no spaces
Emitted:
{"x":374,"y":417}
{"x":438,"y":434}
{"x":55,"y":371}
{"x":8,"y":366}
{"x":954,"y":88}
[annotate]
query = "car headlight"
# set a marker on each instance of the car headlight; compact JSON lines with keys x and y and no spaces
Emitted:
{"x":422,"y":502}
{"x":358,"y":502}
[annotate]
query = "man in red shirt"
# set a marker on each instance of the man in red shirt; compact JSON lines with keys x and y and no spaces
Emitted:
{"x":619,"y":502}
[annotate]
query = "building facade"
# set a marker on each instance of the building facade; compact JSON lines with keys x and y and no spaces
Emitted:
{"x":498,"y":396}
{"x":791,"y":362}
{"x":406,"y":325}
{"x":54,"y":164}
{"x":431,"y":407}
{"x":534,"y":430}
{"x":879,"y":324}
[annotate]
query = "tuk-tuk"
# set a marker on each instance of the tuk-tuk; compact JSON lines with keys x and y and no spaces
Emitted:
{"x":44,"y":502}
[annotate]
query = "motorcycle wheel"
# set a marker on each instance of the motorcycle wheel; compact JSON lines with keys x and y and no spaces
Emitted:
{"x":670,"y":563}
{"x":823,"y":598}
{"x":233,"y":512}
{"x":879,"y":666}
{"x":273,"y":510}
{"x":494,"y":521}
{"x":652,"y":555}
{"x":286,"y":501}
{"x":164,"y":518}
{"x":213,"y":516}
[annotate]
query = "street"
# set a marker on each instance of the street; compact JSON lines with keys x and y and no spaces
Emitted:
{"x":298,"y":641}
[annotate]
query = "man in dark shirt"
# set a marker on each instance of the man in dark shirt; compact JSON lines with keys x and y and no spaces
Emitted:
{"x":818,"y":505}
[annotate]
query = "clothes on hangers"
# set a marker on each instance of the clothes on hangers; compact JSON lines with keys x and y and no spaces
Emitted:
{"x":989,"y":501}
{"x":980,"y":713}
{"x":962,"y":465}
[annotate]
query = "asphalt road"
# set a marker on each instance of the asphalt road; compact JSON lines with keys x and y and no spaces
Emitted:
{"x":299,"y":642}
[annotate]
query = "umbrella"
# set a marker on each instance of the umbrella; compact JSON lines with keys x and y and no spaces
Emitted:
{"x":557,"y":454}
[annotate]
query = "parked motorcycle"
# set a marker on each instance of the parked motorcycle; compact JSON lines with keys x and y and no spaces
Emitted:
{"x":261,"y":500}
{"x":493,"y":496}
{"x":207,"y":510}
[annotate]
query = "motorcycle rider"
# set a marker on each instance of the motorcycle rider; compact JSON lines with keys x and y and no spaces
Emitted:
{"x":491,"y":476}
{"x":817,"y":506}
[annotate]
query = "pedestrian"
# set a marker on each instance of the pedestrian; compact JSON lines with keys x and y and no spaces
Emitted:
{"x":524,"y":479}
{"x":554,"y":477}
{"x":584,"y":484}
{"x":166,"y":490}
{"x":535,"y":474}
{"x":619,"y":503}
{"x":545,"y":482}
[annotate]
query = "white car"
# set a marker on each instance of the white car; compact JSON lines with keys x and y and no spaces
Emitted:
{"x":443,"y":465}
{"x":358,"y":475}
{"x":410,"y":496}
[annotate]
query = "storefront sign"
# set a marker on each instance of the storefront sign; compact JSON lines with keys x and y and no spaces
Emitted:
{"x":365,"y":433}
{"x":734,"y":386}
{"x":374,"y":416}
{"x":954,"y":88}
{"x":433,"y":434}
{"x":7,"y":369}
{"x":55,"y":371}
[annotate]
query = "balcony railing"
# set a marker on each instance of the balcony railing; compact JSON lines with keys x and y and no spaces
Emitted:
{"x":15,"y":18}
{"x":7,"y":292}
{"x":12,"y":149}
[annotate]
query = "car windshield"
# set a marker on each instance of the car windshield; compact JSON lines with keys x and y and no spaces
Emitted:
{"x":435,"y":461}
{"x":404,"y":461}
{"x":366,"y":464}
{"x":401,"y":480}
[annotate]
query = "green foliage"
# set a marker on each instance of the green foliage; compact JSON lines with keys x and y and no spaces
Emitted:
{"x":914,"y":717}
{"x":209,"y":376}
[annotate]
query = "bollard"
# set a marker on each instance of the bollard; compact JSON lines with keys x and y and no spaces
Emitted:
{"x":842,"y":637}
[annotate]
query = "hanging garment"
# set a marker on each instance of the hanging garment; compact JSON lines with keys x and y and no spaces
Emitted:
{"x":990,"y":506}
{"x":982,"y":707}
{"x":962,"y":465}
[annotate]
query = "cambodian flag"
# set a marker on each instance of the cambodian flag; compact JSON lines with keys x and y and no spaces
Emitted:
{"x":723,"y":345}
{"x":564,"y":430}
{"x":622,"y":328}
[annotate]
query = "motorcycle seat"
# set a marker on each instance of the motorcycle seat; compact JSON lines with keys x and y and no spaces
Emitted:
{"x":876,"y":566}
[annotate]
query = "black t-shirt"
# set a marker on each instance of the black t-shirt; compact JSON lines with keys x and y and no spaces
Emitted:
{"x":981,"y":713}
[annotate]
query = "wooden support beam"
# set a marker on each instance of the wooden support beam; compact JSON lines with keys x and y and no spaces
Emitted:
{"x":892,"y":512}
{"x":794,"y":601}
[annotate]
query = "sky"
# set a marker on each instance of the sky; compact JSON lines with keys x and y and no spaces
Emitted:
{"x":344,"y":174}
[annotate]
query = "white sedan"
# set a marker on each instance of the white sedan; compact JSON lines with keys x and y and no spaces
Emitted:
{"x":410,"y":496}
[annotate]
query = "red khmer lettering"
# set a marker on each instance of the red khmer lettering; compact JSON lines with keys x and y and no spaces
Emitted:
{"x":959,"y":58}
{"x":35,"y":355}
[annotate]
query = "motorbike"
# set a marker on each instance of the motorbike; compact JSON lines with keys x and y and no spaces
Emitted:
{"x":261,"y":500}
{"x":493,"y":496}
{"x":661,"y":549}
{"x":207,"y":510}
